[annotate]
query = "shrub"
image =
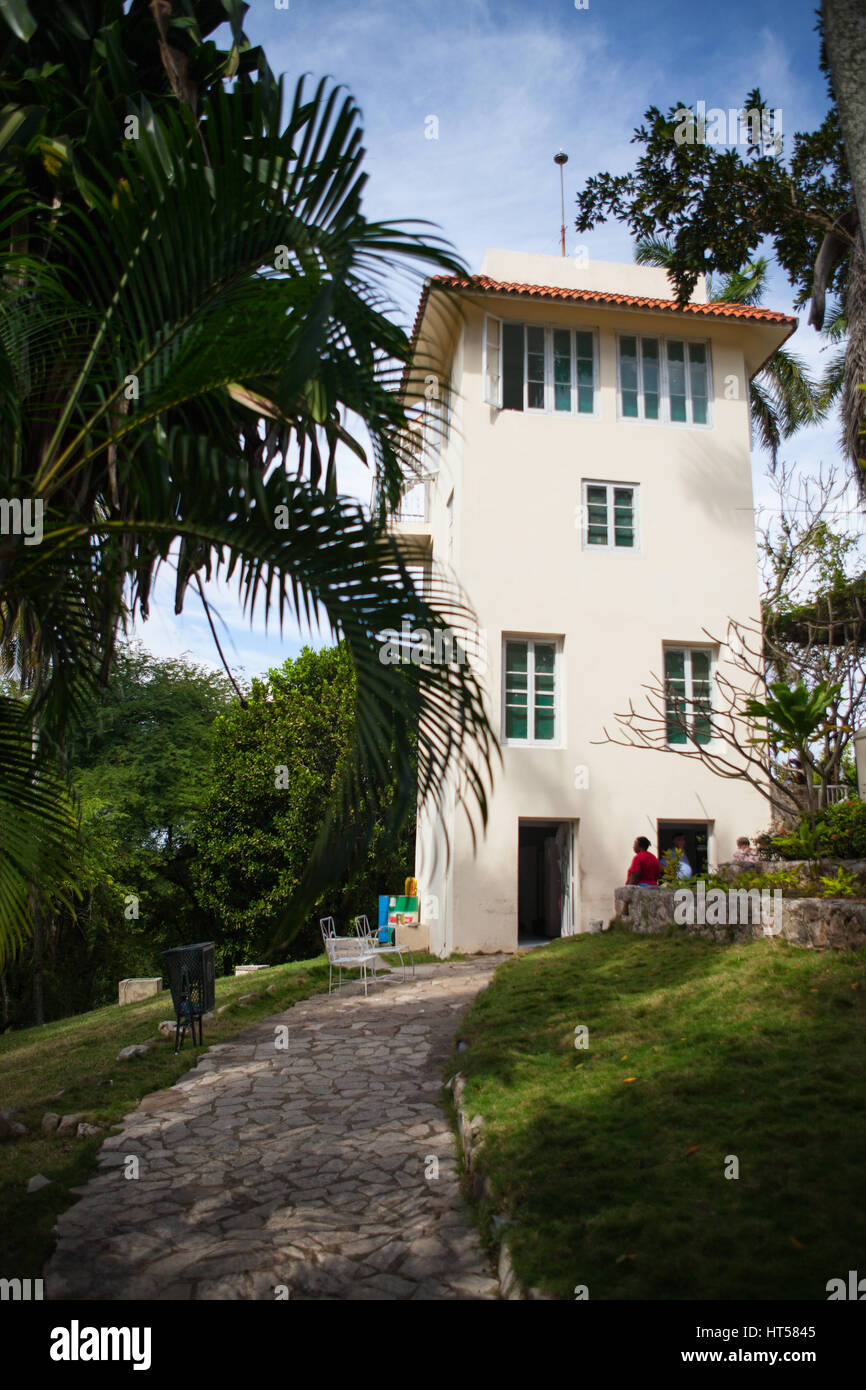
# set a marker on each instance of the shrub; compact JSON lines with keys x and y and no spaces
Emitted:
{"x":841,"y":885}
{"x":840,"y":834}
{"x":842,"y":830}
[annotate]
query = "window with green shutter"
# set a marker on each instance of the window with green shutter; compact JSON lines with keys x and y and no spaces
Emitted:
{"x":649,"y":360}
{"x":610,"y":516}
{"x":639,"y":389}
{"x":544,"y":691}
{"x":585,"y":373}
{"x":530,"y":690}
{"x":663,"y":379}
{"x":535,"y":368}
{"x":561,"y":369}
{"x":675,"y":697}
{"x":687,"y":382}
{"x":698,"y":382}
{"x":629,"y":380}
{"x":539,"y":368}
{"x":702,"y":727}
{"x":516,"y":689}
{"x":623,"y":517}
{"x":677,"y":382}
{"x":596,"y":514}
{"x":688,"y":695}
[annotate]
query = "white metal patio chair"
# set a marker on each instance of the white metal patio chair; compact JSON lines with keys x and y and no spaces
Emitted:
{"x":345,"y":953}
{"x":364,"y":932}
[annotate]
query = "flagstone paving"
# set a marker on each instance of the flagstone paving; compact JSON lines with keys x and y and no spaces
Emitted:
{"x":303,"y":1171}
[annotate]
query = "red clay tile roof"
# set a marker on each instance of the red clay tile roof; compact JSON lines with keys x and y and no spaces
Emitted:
{"x":482,"y":284}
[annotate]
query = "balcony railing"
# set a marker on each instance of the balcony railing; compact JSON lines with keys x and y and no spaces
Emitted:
{"x":414,"y":504}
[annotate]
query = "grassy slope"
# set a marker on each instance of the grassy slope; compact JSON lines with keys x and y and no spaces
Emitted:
{"x":757,"y":1051}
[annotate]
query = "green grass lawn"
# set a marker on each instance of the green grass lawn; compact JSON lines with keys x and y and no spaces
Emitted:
{"x":611,"y":1161}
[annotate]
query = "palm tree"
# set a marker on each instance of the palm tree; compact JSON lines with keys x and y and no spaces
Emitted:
{"x":782,"y":396}
{"x":188,"y":320}
{"x":844,"y":24}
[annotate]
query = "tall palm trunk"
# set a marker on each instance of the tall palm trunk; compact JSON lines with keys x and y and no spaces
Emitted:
{"x":852,"y":404}
{"x":845,"y":38}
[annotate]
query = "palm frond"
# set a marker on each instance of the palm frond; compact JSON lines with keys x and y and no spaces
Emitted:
{"x":38,"y":825}
{"x":221,"y":303}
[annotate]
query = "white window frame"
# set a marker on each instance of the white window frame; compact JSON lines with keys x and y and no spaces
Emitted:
{"x":611,"y":546}
{"x":664,"y":416}
{"x":492,"y":389}
{"x":549,"y":407}
{"x":687,"y":343}
{"x":492,"y":386}
{"x":687,"y":648}
{"x":558,"y":689}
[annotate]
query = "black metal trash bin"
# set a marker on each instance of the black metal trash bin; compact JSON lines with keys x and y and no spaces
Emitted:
{"x":191,"y":979}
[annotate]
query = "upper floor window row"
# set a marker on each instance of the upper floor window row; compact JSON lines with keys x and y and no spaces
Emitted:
{"x":534,"y":367}
{"x":531,"y":367}
{"x":663,"y":379}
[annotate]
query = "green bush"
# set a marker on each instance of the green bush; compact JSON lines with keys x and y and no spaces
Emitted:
{"x":841,"y":885}
{"x":840,"y":834}
{"x":842,"y":830}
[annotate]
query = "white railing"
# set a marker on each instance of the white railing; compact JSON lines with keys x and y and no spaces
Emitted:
{"x":838,"y":791}
{"x":414,"y":503}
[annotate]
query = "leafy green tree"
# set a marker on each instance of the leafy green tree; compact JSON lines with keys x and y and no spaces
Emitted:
{"x":191,"y":310}
{"x":144,"y":754}
{"x":795,"y":719}
{"x":140,"y":769}
{"x":276,"y":764}
{"x":717,"y":204}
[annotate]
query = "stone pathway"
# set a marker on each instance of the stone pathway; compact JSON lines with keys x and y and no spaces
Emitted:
{"x":307,"y":1168}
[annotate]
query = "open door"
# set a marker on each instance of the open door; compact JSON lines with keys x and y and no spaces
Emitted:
{"x":566,"y":835}
{"x":547,"y":893}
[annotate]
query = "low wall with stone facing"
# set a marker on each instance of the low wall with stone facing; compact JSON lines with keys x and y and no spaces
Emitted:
{"x":817,"y":923}
{"x":133,"y":990}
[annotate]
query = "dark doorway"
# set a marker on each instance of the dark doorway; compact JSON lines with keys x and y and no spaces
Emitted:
{"x":697,"y":839}
{"x":545,"y":879}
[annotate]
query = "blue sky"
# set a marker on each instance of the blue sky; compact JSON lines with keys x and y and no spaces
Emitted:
{"x":510,"y":84}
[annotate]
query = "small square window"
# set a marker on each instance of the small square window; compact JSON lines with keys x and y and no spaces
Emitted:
{"x":610,"y":516}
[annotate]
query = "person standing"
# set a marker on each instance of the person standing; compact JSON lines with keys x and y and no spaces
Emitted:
{"x":684,"y":868}
{"x":644,"y":870}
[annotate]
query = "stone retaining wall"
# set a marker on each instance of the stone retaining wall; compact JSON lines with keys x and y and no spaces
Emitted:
{"x":817,"y":923}
{"x":472,"y":1144}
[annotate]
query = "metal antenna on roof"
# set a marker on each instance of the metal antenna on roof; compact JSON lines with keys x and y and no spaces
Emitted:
{"x":561,"y":159}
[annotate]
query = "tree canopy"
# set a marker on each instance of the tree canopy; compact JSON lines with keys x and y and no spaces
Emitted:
{"x":276,"y":763}
{"x":716,"y":196}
